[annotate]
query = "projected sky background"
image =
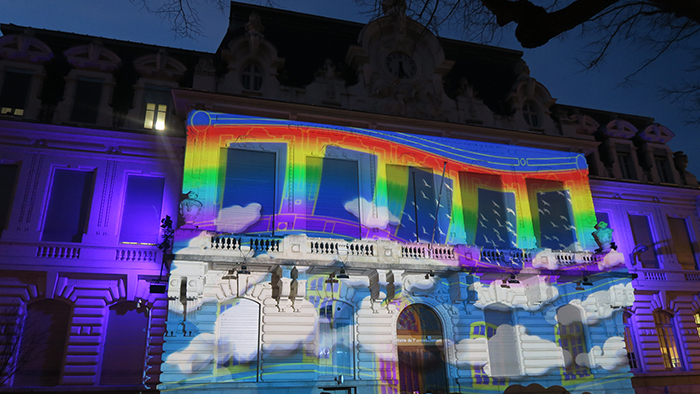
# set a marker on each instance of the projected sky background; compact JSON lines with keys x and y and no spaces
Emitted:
{"x":271,"y":178}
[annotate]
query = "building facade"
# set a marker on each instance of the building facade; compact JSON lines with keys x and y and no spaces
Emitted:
{"x":358,"y":209}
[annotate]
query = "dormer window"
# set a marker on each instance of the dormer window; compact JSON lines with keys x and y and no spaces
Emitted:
{"x":15,"y":90}
{"x":662,"y":167}
{"x":86,"y":104}
{"x":531,"y":113}
{"x":252,"y":77}
{"x":624,"y":157}
{"x":157,"y":101}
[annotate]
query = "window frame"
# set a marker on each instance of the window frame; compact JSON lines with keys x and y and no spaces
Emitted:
{"x":630,"y":338}
{"x":88,"y":203}
{"x":82,"y":116}
{"x":139,"y":307}
{"x":27,"y":92}
{"x":156,"y":96}
{"x":667,"y":334}
{"x":258,"y":355}
{"x":127,"y":177}
{"x":690,"y":241}
{"x":532,"y":114}
{"x":252,"y":77}
{"x":573,"y":371}
{"x":652,"y":247}
{"x":335,"y":368}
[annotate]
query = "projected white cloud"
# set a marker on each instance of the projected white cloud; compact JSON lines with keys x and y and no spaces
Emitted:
{"x":611,"y":357}
{"x":472,"y":352}
{"x":370,"y":215}
{"x":235,"y":218}
{"x":517,"y":296}
{"x":532,"y":344}
{"x":545,"y":259}
{"x":191,"y":359}
{"x":598,"y":305}
{"x":611,"y":259}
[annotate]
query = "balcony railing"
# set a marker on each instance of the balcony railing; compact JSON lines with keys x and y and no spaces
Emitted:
{"x":300,"y":247}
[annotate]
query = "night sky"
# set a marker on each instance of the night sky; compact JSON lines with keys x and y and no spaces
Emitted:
{"x":555,"y":65}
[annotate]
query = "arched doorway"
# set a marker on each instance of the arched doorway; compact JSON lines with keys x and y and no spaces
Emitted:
{"x":420,"y":347}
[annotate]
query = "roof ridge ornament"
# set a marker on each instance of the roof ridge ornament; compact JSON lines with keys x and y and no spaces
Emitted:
{"x":397,"y":9}
{"x":254,"y":29}
{"x":394,"y":7}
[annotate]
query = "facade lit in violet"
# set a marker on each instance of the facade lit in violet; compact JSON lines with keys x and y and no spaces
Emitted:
{"x":323,"y":206}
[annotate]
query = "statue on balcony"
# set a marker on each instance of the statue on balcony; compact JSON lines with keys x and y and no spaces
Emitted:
{"x":603,"y":237}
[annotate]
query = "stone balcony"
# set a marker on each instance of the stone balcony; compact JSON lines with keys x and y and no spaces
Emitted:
{"x":261,"y":253}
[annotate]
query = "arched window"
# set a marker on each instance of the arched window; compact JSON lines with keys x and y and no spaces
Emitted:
{"x":531,"y":113}
{"x":420,"y":348}
{"x":252,"y":77}
{"x":124,"y":355}
{"x":237,"y":346}
{"x":630,"y":342}
{"x":43,"y":344}
{"x":667,"y":340}
{"x":573,"y":342}
{"x":335,"y":339}
{"x":502,"y":341}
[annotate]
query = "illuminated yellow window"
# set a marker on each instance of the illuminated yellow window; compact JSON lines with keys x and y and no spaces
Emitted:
{"x":697,"y":322}
{"x":667,"y":340}
{"x":155,"y":116}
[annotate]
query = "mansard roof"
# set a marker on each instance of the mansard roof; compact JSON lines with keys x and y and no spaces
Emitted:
{"x":306,"y":41}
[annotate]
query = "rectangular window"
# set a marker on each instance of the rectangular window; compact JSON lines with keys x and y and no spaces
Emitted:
{"x":667,"y":340}
{"x":86,"y":103}
{"x":682,"y":245}
{"x":157,"y":102}
{"x":503,"y":356}
{"x":333,"y":197}
{"x":237,"y":346}
{"x":14,"y":94}
{"x":626,"y":165}
{"x":69,"y":206}
{"x":335,"y":333}
{"x":641,"y":232}
{"x":142,"y":207}
{"x":629,"y":342}
{"x":8,"y":182}
{"x":248,"y":202}
{"x":550,"y":206}
{"x":413,"y":199}
{"x":663,"y":169}
{"x":489,"y":212}
{"x":572,"y":340}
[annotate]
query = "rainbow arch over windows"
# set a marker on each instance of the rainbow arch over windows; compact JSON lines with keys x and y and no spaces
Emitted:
{"x":262,"y":176}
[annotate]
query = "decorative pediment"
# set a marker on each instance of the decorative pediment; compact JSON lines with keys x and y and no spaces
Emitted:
{"x":619,"y":128}
{"x":252,"y":46}
{"x":657,"y":133}
{"x":160,"y":65}
{"x":93,"y":56}
{"x":24,"y":47}
{"x":527,"y":89}
{"x":400,"y":67}
{"x":584,"y":124}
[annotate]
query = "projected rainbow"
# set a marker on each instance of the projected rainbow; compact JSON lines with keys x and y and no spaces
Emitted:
{"x":276,"y":177}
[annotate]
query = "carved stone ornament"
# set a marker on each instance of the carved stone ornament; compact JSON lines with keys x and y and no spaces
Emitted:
{"x":190,"y":207}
